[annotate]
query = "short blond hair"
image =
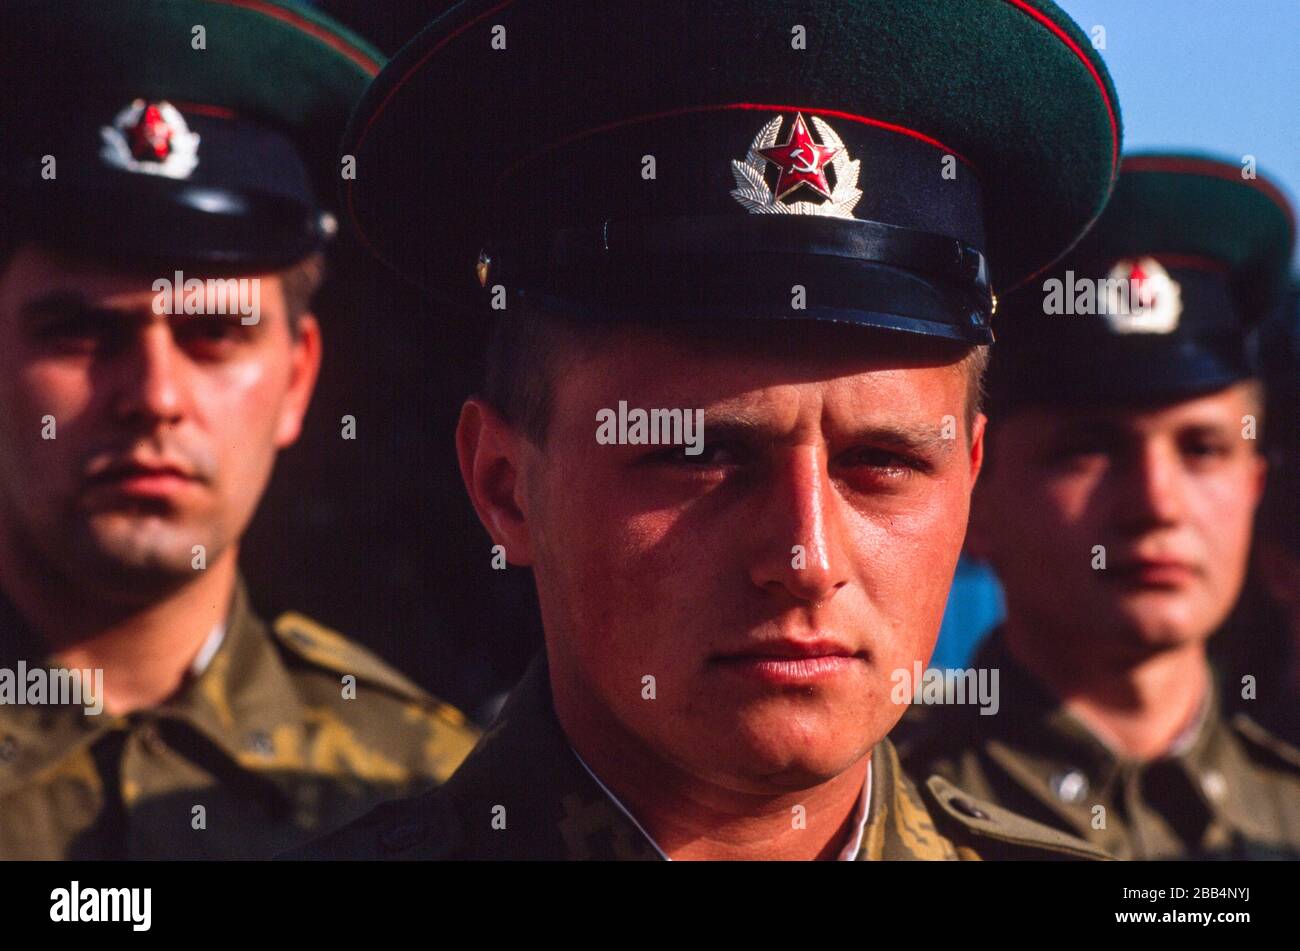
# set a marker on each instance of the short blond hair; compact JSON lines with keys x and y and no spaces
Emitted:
{"x":299,"y":283}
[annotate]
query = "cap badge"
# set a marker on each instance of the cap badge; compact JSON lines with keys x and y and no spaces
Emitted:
{"x":1154,"y":299}
{"x":802,"y":165}
{"x":150,"y":138}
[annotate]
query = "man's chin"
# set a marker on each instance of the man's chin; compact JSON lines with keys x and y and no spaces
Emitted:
{"x":778,"y":771}
{"x":128,"y":567}
{"x":1154,"y":631}
{"x":775,"y":757}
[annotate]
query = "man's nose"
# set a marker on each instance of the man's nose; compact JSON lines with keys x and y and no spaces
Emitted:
{"x":149,"y":381}
{"x":1152,"y":488}
{"x":801,"y":537}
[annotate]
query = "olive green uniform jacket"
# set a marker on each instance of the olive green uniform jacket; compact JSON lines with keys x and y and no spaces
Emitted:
{"x":1232,"y":789}
{"x":523,"y":794}
{"x":259,"y":752}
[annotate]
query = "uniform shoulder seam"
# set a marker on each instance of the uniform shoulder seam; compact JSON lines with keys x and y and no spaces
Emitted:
{"x":986,"y":820}
{"x":1261,"y":738}
{"x":325,"y":647}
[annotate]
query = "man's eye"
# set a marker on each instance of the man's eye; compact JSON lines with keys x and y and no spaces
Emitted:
{"x":885,"y":461}
{"x":75,"y":333}
{"x":709,"y":454}
{"x":211,"y":332}
{"x":1206,"y":450}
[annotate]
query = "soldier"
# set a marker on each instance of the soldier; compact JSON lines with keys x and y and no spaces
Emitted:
{"x":162,"y":240}
{"x":1122,"y":478}
{"x":739,"y":257}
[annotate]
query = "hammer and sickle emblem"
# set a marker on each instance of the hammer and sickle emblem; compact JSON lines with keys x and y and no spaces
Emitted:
{"x":806,"y":164}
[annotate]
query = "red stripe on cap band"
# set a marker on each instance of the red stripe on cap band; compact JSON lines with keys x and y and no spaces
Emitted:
{"x":1188,"y":262}
{"x":205,"y":109}
{"x":725,"y":107}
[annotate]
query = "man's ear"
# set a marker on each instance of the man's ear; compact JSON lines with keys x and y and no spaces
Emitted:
{"x":978,"y":539}
{"x":491,"y":454}
{"x":1260,"y":481}
{"x":978,"y":427}
{"x":304,"y":368}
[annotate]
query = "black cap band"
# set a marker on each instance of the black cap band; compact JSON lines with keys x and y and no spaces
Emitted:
{"x":714,"y":266}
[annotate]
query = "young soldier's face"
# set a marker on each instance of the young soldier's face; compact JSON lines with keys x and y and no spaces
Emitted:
{"x":1167,"y":493}
{"x":129,"y":436}
{"x":739,"y":612}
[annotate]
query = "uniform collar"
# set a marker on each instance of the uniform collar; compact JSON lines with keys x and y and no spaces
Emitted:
{"x":899,"y":825}
{"x":553,"y":807}
{"x":1060,"y":762}
{"x":849,"y":853}
{"x":522,"y":794}
{"x":241,"y":700}
{"x":243,"y":696}
{"x":34,"y":740}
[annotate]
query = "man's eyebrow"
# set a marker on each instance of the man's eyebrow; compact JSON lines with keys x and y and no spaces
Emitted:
{"x":741,"y":427}
{"x":922,"y":440}
{"x":66,"y":304}
{"x":63,"y":304}
{"x":1092,"y":426}
{"x":1208,"y":428}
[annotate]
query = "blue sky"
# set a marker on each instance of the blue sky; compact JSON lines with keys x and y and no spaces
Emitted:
{"x":1217,"y":76}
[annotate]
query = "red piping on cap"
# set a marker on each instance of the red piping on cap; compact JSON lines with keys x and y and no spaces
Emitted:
{"x":757,"y":107}
{"x":1110,"y":114}
{"x":1189,"y":262}
{"x":1096,"y":77}
{"x":204,"y":109}
{"x":1168,"y":259}
{"x":330,"y":39}
{"x":383,"y":104}
{"x":1210,"y":168}
{"x":1019,"y":4}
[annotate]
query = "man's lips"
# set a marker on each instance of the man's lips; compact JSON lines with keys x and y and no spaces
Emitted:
{"x":791,"y":662}
{"x":140,"y":478}
{"x":1153,"y":572}
{"x":794,"y":649}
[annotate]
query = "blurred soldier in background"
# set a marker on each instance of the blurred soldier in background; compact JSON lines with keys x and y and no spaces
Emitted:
{"x":1117,"y":504}
{"x":162,"y":239}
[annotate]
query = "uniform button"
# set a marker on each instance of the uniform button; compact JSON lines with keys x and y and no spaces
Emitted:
{"x":1215,"y":786}
{"x":259,"y":741}
{"x":968,"y":808}
{"x":8,"y":749}
{"x":1070,"y":786}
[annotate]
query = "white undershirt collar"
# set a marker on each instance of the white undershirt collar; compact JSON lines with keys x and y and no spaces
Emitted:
{"x":861,"y":813}
{"x":209,"y":649}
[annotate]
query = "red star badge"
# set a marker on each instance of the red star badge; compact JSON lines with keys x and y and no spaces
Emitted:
{"x":801,"y":160}
{"x":151,"y":136}
{"x":1146,"y":295}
